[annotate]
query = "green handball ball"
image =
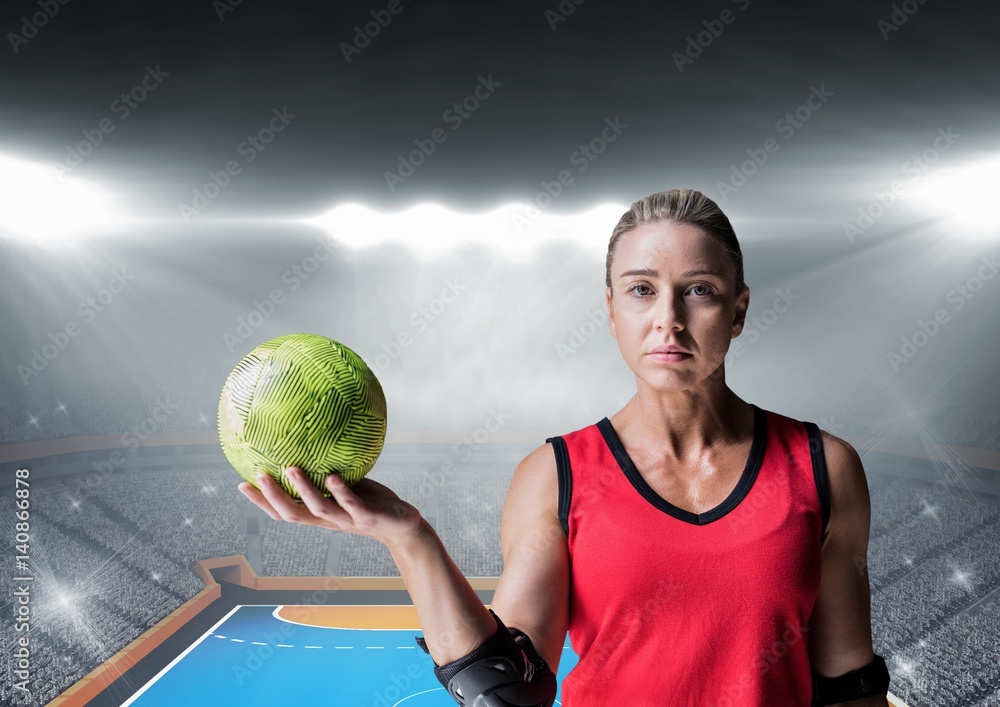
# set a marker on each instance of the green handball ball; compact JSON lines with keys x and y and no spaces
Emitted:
{"x":302,"y":400}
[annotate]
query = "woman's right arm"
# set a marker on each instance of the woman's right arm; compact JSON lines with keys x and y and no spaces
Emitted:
{"x":452,"y":618}
{"x":533,"y":591}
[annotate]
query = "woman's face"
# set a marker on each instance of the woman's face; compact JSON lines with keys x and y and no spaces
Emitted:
{"x":660,"y":295}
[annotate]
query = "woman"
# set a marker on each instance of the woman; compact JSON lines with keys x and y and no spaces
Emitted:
{"x":698,"y":549}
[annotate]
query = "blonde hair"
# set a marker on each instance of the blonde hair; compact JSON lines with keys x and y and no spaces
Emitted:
{"x":680,"y":206}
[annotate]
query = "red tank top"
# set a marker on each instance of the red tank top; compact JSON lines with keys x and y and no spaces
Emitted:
{"x":672,"y":608}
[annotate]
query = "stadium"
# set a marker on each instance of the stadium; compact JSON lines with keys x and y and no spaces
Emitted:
{"x":405,"y":183}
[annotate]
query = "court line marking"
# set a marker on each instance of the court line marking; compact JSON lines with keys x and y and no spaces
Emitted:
{"x":178,"y":659}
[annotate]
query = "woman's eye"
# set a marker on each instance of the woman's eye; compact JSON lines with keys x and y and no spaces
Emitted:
{"x":638,"y":286}
{"x":706,"y":288}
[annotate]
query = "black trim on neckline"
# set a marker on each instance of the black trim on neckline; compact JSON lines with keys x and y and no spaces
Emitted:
{"x":754,"y":461}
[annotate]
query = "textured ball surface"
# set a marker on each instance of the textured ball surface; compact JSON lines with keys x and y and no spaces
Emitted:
{"x":302,"y":400}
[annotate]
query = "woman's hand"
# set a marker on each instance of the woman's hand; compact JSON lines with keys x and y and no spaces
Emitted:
{"x":367,"y":508}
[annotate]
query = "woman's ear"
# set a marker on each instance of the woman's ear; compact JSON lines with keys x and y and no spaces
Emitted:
{"x":740,"y":317}
{"x":611,"y":316}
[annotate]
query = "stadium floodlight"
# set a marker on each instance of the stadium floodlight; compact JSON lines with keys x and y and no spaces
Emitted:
{"x":964,"y":194}
{"x":432,"y":228}
{"x":38,"y":205}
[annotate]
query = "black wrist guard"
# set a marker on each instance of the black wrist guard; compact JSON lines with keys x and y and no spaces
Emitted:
{"x":872,"y":679}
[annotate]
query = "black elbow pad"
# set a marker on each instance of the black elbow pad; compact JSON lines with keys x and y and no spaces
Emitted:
{"x":506,"y":671}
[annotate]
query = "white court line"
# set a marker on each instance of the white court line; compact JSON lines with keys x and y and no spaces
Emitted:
{"x":176,"y":660}
{"x":336,"y":628}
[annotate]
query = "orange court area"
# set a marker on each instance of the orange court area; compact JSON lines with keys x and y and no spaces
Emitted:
{"x":392,"y":616}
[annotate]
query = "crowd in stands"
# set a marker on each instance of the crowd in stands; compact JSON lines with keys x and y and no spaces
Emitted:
{"x":59,"y":504}
{"x":931,"y":523}
{"x":294,"y":550}
{"x":85,"y":606}
{"x":193,"y":514}
{"x":954,"y":665}
{"x":470,"y":527}
{"x":934,"y":570}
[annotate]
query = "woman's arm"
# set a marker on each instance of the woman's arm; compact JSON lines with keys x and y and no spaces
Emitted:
{"x":533,"y":592}
{"x":840,"y":632}
{"x":453,"y":619}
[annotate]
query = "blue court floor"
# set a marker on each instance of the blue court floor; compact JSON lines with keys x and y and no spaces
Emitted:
{"x":251,"y":657}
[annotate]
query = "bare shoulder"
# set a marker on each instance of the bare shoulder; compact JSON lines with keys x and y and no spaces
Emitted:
{"x":533,"y":591}
{"x":850,"y":503}
{"x":534,"y":488}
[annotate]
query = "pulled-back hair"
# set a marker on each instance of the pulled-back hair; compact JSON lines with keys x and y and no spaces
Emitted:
{"x":680,"y":206}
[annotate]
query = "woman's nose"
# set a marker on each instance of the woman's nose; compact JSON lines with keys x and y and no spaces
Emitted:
{"x":670,"y":312}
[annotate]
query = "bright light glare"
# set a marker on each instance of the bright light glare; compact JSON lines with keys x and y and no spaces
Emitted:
{"x":36,"y":204}
{"x":430,"y":228}
{"x":967,"y":194}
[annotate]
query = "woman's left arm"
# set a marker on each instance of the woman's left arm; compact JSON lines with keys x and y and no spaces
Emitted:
{"x":840,"y":631}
